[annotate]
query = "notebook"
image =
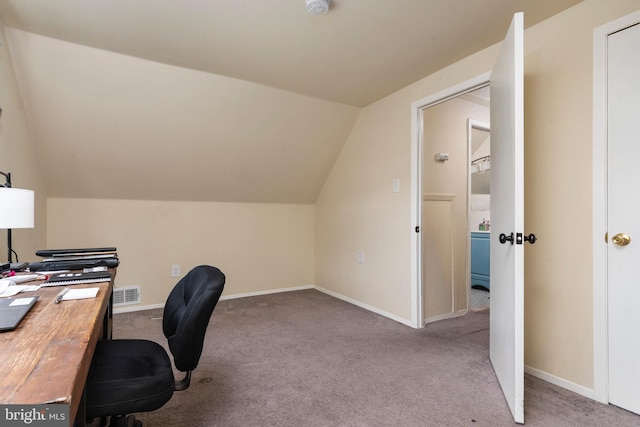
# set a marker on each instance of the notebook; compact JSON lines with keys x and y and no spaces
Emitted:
{"x":63,"y":279}
{"x":13,"y":310}
{"x":73,"y":265}
{"x":65,"y":252}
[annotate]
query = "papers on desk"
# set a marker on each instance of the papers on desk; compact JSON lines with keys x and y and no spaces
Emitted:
{"x":10,"y":285}
{"x":19,"y":278}
{"x":80,"y":293}
{"x":17,"y":302}
{"x":9,"y":289}
{"x":16,"y":289}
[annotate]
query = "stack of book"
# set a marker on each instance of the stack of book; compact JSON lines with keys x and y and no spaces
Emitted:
{"x":75,"y":259}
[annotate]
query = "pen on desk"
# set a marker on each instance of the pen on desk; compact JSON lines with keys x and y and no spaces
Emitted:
{"x":60,"y":295}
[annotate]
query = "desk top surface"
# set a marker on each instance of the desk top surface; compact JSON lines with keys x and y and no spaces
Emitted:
{"x":47,"y":357}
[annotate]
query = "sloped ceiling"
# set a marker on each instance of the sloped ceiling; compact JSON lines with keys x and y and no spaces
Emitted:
{"x":228,"y":100}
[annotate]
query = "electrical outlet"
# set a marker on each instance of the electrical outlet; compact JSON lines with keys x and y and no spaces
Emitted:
{"x":360,"y":257}
{"x":175,"y":270}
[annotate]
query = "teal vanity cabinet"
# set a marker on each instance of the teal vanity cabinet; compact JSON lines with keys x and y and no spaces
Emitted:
{"x":480,"y":257}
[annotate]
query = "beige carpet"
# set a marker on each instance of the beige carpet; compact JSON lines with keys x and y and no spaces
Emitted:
{"x":307,"y":359}
{"x":479,"y":299}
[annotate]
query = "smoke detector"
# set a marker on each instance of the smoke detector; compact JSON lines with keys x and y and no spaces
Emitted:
{"x":317,"y":7}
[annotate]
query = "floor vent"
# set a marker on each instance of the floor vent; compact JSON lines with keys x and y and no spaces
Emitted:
{"x":128,"y":295}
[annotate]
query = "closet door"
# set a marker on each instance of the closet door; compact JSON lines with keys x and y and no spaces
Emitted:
{"x":623,"y":210}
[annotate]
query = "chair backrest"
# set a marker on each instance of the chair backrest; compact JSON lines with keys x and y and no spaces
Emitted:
{"x":187,"y":313}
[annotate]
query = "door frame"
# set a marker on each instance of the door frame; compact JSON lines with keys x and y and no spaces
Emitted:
{"x":417,"y":135}
{"x":599,"y":191}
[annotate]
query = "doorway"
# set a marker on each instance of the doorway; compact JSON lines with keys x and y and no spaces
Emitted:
{"x":446,"y":200}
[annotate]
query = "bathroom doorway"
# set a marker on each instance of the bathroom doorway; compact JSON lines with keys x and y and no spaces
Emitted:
{"x":479,"y":144}
{"x":446,"y":201}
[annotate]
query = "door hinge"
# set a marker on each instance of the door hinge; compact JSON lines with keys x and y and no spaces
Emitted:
{"x":417,"y":228}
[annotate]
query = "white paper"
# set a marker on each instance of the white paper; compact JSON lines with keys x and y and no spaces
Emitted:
{"x":80,"y":293}
{"x":19,"y":278}
{"x":20,"y":301}
{"x":15,"y":289}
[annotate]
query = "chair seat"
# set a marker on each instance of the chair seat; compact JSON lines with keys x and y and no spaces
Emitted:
{"x":128,"y":376}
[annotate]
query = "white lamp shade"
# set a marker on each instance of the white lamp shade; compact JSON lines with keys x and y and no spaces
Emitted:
{"x":16,"y":208}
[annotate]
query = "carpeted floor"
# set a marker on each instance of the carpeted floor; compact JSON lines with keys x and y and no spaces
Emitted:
{"x":307,"y":359}
{"x":479,"y":299}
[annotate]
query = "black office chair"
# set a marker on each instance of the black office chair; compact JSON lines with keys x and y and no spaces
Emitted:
{"x":129,"y":376}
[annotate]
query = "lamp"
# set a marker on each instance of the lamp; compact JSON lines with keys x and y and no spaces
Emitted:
{"x":16,"y":210}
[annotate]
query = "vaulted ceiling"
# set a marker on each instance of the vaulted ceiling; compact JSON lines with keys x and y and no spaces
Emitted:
{"x":228,"y":100}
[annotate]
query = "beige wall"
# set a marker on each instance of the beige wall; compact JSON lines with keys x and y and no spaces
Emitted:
{"x":18,"y":157}
{"x":259,"y":247}
{"x":558,"y":201}
{"x":357,"y":211}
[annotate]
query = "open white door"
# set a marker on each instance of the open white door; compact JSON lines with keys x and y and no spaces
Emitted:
{"x":507,"y":218}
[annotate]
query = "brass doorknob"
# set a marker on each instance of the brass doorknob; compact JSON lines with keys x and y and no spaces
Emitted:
{"x":621,"y":239}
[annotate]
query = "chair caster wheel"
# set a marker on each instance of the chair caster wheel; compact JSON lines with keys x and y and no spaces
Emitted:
{"x":122,"y":421}
{"x":132,"y":422}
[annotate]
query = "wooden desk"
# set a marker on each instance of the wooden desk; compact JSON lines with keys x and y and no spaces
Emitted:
{"x":47,"y":358}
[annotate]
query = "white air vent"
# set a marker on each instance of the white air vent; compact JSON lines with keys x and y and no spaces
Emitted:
{"x":125,"y":296}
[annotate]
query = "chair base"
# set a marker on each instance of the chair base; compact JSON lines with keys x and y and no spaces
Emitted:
{"x":124,"y":421}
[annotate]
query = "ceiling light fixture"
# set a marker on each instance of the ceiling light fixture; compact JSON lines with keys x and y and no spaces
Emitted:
{"x":317,"y":7}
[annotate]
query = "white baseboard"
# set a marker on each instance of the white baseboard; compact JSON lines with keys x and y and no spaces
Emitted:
{"x":365,"y":306}
{"x":560,"y":382}
{"x":270,"y":291}
{"x":445,"y":316}
{"x":130,"y":308}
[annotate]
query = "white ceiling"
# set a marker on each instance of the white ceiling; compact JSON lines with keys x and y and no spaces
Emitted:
{"x":359,"y":52}
{"x":224,"y":100}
